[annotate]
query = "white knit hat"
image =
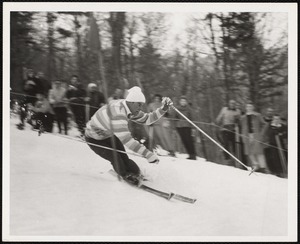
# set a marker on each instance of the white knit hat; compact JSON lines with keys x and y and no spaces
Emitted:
{"x":135,"y":95}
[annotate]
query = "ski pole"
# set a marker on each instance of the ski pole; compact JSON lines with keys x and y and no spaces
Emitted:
{"x":247,"y":167}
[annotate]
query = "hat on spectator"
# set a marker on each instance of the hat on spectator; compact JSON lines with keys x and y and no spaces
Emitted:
{"x":91,"y":85}
{"x":183,"y":97}
{"x":135,"y":95}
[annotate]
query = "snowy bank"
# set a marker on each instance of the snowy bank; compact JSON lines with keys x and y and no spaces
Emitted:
{"x":59,"y":187}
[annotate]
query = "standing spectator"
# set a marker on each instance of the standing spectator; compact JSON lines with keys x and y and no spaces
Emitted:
{"x":160,"y":133}
{"x":40,"y":87}
{"x":44,"y":114}
{"x":184,"y":128}
{"x":95,"y":99}
{"x":118,"y":94}
{"x":269,"y":115}
{"x":57,"y":98}
{"x":43,"y":83}
{"x":30,"y":90}
{"x":76,"y":95}
{"x":228,"y":118}
{"x":252,"y":125}
{"x":275,"y":135}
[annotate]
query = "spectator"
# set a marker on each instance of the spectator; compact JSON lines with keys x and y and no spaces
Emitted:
{"x":118,"y":94}
{"x":39,"y":84}
{"x":269,"y":115}
{"x":44,"y":114}
{"x":57,"y":98}
{"x":159,"y":133}
{"x":252,"y":125}
{"x":44,"y":84}
{"x":275,"y":135}
{"x":30,"y":90}
{"x":95,"y":99}
{"x":76,"y":95}
{"x":184,"y":128}
{"x":228,"y":118}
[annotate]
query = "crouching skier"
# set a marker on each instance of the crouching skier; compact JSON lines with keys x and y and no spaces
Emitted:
{"x":99,"y":132}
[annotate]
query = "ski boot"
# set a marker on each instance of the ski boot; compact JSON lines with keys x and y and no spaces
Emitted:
{"x":133,"y":179}
{"x":20,"y":126}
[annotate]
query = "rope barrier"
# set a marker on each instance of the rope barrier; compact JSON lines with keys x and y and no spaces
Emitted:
{"x":236,"y":159}
{"x":89,"y":143}
{"x":173,"y":119}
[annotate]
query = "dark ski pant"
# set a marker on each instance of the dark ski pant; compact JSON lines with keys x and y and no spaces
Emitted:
{"x":228,"y":138}
{"x":124,"y":164}
{"x":24,"y":110}
{"x":61,"y":118}
{"x":185,"y":134}
{"x":46,"y":119}
{"x":274,"y":161}
{"x":79,"y":116}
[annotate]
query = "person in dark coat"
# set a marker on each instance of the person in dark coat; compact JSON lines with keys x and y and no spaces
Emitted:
{"x":184,"y":128}
{"x":30,"y":91}
{"x":276,"y":152}
{"x":43,"y":83}
{"x":43,"y":113}
{"x":95,"y":99}
{"x":76,"y":95}
{"x":268,"y":118}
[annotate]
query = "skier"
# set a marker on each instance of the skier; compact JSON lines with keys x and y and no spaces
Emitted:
{"x":111,"y":120}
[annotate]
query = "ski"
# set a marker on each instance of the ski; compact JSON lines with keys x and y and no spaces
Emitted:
{"x":160,"y":193}
{"x":156,"y":192}
{"x":184,"y":199}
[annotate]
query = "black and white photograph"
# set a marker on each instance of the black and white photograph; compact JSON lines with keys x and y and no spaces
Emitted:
{"x":150,"y":122}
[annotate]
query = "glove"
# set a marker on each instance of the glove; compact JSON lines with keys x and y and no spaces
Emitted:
{"x":167,"y":103}
{"x":152,"y":158}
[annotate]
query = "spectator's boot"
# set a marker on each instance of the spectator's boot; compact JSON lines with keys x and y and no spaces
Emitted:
{"x":192,"y":157}
{"x":172,"y":153}
{"x":20,"y":126}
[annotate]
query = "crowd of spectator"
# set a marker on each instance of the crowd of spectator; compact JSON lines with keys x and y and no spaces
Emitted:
{"x":259,"y":141}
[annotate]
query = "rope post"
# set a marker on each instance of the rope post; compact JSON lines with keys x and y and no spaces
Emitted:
{"x":248,"y":168}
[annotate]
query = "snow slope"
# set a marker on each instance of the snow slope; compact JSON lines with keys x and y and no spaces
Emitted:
{"x":59,"y":187}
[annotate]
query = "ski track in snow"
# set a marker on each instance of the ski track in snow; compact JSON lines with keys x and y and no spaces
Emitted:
{"x":58,"y":187}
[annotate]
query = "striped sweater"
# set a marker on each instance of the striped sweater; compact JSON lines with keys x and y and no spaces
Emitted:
{"x":99,"y":128}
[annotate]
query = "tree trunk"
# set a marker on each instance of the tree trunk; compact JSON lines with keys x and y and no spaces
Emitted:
{"x":51,"y":59}
{"x":117,"y":22}
{"x":78,"y":46}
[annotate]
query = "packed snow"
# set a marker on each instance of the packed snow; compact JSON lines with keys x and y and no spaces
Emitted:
{"x":59,"y":188}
